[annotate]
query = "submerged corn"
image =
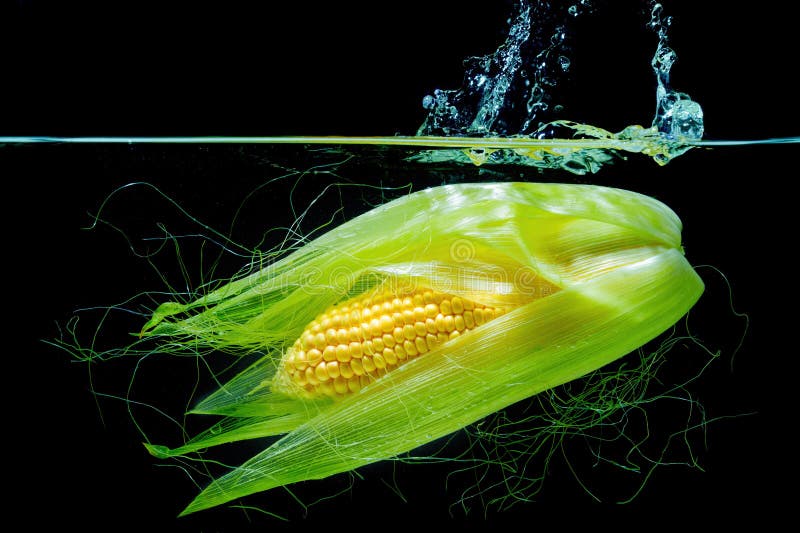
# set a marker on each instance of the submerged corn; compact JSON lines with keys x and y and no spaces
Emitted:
{"x":581,"y":274}
{"x":358,"y":341}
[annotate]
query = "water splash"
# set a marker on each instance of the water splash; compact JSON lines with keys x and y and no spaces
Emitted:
{"x":511,"y":92}
{"x":520,"y":75}
{"x":678,"y":117}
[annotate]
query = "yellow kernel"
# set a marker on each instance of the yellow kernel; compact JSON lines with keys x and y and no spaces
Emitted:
{"x":439,"y":322}
{"x":442,"y":338}
{"x":313,"y":356}
{"x":418,"y":300}
{"x":300,"y":360}
{"x":345,"y":370}
{"x":420,"y":328}
{"x":379,"y":361}
{"x":340,"y":385}
{"x":488,"y":314}
{"x":325,"y":323}
{"x":387,"y":324}
{"x":308,"y":341}
{"x":437,"y":298}
{"x":410,"y":348}
{"x":389,"y":356}
{"x":460,"y":325}
{"x":408,"y":316}
{"x":479,"y":318}
{"x":386,"y":307}
{"x":449,"y":323}
{"x":342,"y":336}
{"x":333,"y":369}
{"x":388,"y":340}
{"x":355,"y":316}
{"x":430,"y":325}
{"x":299,"y":377}
{"x":457,"y":304}
{"x":419,"y":343}
{"x":327,"y":388}
{"x":419,"y":314}
{"x":427,"y":297}
{"x":357,"y":367}
{"x":311,"y":376}
{"x":375,"y":327}
{"x":355,"y":349}
{"x":469,"y":319}
{"x":329,"y":354}
{"x":431,"y":310}
{"x":354,"y":334}
{"x":400,"y":352}
{"x":377,"y":344}
{"x":397,"y":303}
{"x":468,"y":305}
{"x":343,"y":353}
{"x":363,"y":381}
{"x":336,"y":321}
{"x":353,"y":384}
{"x":366,"y":314}
{"x":330,"y":336}
{"x":376,"y":309}
{"x":408,"y":302}
{"x":454,"y":334}
{"x":319,"y":341}
{"x":446,"y":308}
{"x":314,"y":327}
{"x":369,"y":364}
{"x":408,"y":332}
{"x":321,"y":372}
{"x":367,"y":348}
{"x":432,"y":341}
{"x":398,"y":334}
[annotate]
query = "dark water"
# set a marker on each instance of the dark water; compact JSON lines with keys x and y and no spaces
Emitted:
{"x":326,"y":73}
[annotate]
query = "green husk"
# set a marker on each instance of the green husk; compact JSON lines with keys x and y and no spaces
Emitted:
{"x":613,"y":257}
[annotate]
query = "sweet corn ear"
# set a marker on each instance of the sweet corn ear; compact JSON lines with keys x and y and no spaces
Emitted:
{"x":424,"y":315}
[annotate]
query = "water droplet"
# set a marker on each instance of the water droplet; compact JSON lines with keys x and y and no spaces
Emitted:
{"x":537,"y":107}
{"x":573,"y":10}
{"x":687,"y":120}
{"x":428,"y":102}
{"x":563,"y":62}
{"x":664,"y":58}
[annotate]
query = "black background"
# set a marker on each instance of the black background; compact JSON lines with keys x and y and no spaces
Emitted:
{"x":140,"y":68}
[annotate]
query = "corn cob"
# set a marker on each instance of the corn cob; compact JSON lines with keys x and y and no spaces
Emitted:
{"x":364,"y":338}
